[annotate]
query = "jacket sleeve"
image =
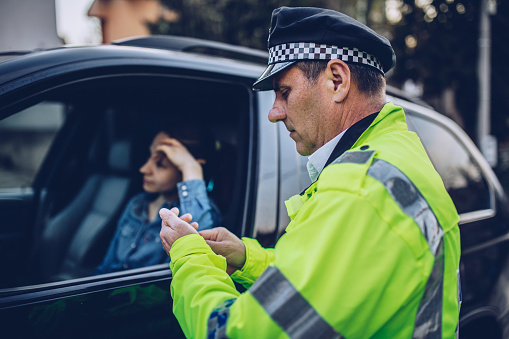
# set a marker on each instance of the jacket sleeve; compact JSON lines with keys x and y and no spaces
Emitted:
{"x":193,"y":199}
{"x":199,"y":284}
{"x":204,"y":295}
{"x":257,"y":260}
{"x":353,"y":269}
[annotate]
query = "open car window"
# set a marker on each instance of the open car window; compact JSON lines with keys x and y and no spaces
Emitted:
{"x":83,"y":165}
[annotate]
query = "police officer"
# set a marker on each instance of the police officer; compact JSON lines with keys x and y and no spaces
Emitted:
{"x":373,"y":246}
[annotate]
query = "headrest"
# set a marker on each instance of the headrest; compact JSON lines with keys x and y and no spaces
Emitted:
{"x":120,"y":156}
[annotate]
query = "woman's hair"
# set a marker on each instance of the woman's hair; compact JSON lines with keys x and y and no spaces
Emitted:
{"x":196,"y":137}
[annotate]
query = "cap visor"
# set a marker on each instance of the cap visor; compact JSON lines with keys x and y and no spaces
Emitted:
{"x":264,"y":82}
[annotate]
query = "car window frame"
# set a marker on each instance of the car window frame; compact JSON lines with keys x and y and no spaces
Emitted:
{"x":48,"y":81}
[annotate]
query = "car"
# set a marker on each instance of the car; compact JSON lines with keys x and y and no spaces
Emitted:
{"x":74,"y":125}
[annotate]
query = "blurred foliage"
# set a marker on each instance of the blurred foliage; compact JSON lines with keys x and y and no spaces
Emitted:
{"x":437,"y":46}
{"x":238,"y":22}
{"x":500,"y":72}
{"x":445,"y":34}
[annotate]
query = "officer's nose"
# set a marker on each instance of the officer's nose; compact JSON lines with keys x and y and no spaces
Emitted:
{"x":276,"y":113}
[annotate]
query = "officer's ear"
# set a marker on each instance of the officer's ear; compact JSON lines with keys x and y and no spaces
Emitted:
{"x":338,"y":79}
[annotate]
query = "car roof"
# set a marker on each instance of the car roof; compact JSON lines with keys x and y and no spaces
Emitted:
{"x":179,"y":52}
{"x":41,"y":64}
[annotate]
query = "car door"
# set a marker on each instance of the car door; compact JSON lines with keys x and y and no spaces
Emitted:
{"x":88,"y":306}
{"x":102,"y":102}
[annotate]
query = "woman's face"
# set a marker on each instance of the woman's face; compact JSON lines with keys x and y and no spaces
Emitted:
{"x":159,"y":173}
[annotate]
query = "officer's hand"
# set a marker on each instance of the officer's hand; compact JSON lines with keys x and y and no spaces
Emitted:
{"x":225,"y":243}
{"x":173,"y":227}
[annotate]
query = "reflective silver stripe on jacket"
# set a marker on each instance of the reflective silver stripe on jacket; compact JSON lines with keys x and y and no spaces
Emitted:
{"x":409,"y":199}
{"x":428,"y":322}
{"x":288,"y":308}
{"x":357,"y":157}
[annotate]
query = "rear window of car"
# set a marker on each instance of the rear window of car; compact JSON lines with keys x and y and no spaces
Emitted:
{"x":462,"y":176}
{"x":25,"y":139}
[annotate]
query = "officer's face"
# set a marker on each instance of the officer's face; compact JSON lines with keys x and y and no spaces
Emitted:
{"x":299,"y":105}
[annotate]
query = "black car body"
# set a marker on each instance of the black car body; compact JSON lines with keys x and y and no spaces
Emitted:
{"x":87,"y":109}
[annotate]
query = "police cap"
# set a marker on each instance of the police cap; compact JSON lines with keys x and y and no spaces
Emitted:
{"x":306,"y":33}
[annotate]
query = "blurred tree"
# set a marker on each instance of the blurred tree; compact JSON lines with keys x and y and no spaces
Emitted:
{"x":500,"y":73}
{"x":436,"y":44}
{"x":239,"y":22}
{"x":500,"y":89}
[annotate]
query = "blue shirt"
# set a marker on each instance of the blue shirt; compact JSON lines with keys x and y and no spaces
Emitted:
{"x":136,"y":242}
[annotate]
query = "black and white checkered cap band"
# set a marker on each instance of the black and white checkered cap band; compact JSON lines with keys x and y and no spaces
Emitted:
{"x":312,"y":51}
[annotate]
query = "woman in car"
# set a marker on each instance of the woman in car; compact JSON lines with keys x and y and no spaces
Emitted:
{"x":172,"y":177}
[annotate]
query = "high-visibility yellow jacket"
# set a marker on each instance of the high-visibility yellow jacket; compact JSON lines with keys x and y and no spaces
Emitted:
{"x":372,"y":251}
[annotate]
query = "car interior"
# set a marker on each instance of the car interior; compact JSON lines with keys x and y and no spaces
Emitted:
{"x":92,"y":167}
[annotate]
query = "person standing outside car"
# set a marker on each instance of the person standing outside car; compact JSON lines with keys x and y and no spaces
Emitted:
{"x":373,"y":246}
{"x":172,"y":177}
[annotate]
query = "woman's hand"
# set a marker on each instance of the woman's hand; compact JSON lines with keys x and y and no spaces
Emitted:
{"x":178,"y":154}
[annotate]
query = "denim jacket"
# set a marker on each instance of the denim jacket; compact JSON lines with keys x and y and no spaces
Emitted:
{"x":136,"y":242}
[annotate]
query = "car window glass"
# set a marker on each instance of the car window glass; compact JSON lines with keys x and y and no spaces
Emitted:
{"x":92,"y":169}
{"x":462,"y":177}
{"x":25,"y":138}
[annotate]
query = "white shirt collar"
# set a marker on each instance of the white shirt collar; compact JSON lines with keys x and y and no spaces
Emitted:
{"x":317,"y":160}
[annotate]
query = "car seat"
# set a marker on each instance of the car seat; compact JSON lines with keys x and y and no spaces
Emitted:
{"x":74,"y":241}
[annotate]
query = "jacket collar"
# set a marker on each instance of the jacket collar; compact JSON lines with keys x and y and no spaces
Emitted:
{"x":350,"y":137}
{"x":360,"y":132}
